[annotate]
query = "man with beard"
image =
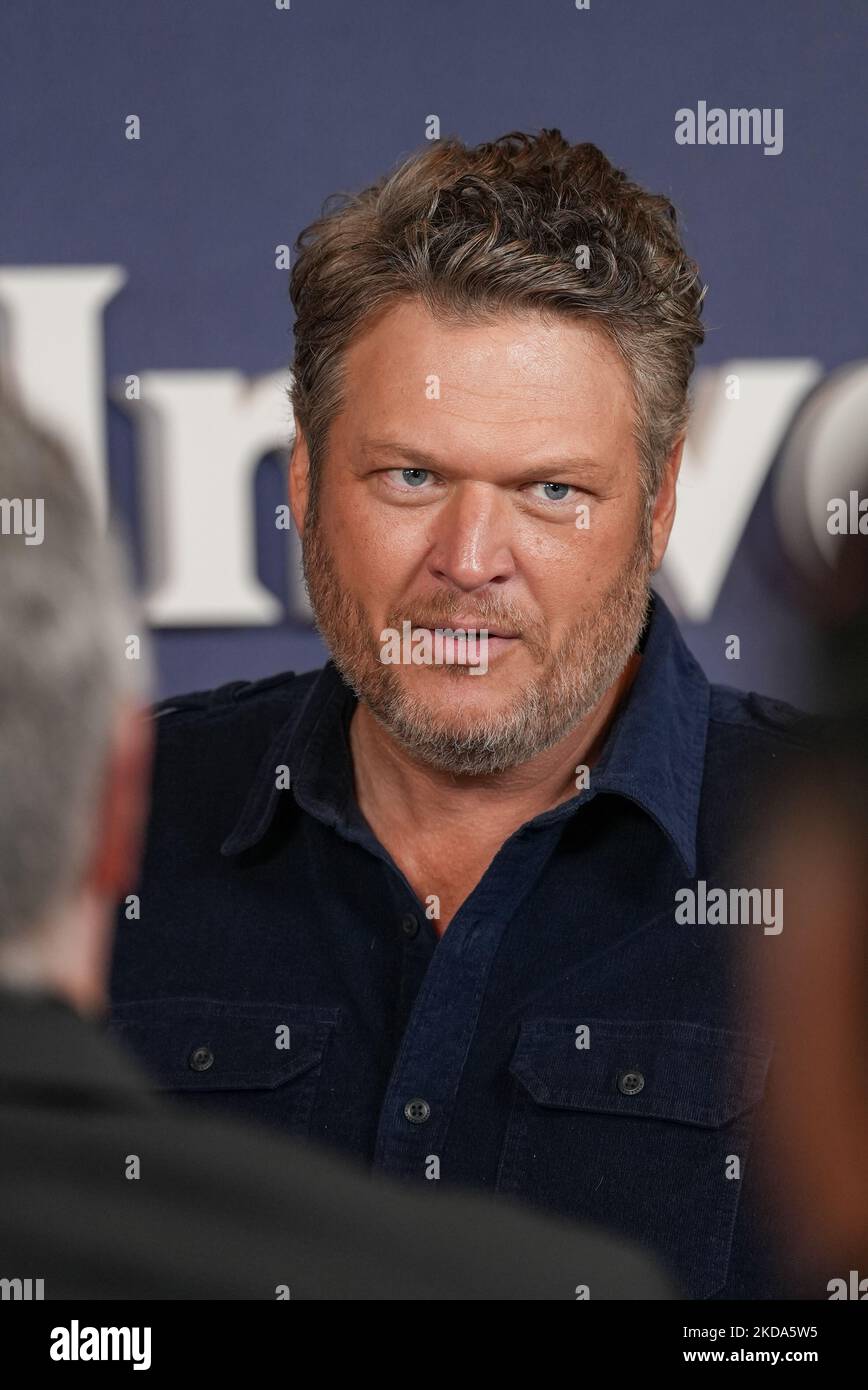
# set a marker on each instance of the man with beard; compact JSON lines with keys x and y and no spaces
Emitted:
{"x":457,"y":895}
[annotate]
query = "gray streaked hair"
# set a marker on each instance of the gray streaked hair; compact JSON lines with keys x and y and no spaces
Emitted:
{"x":65,"y":615}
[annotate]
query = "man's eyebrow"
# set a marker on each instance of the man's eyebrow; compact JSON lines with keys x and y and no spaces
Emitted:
{"x":538,"y":472}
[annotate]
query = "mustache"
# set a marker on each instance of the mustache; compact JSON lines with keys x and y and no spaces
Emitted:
{"x":443,"y":612}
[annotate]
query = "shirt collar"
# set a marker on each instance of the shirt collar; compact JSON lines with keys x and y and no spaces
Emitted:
{"x":654,"y":753}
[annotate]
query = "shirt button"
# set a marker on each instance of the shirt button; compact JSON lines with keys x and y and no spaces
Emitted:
{"x":417,"y":1110}
{"x":630,"y":1083}
{"x":409,"y":925}
{"x":201,"y":1058}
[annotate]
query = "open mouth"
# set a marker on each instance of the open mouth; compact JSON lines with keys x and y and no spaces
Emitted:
{"x":473,"y":629}
{"x":465,"y":644}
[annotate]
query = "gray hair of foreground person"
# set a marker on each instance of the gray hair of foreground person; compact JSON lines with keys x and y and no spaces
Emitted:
{"x":65,"y":616}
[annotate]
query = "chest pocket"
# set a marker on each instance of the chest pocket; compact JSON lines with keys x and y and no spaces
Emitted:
{"x":643,"y":1127}
{"x":261,"y":1061}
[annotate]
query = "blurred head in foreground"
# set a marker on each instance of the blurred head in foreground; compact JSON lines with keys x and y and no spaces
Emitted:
{"x":816,"y":979}
{"x":74,"y":749}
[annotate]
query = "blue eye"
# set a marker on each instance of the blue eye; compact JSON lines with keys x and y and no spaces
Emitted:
{"x":414,"y":476}
{"x":559,"y":490}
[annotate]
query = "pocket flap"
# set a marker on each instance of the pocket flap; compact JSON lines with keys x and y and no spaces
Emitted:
{"x":656,"y":1069}
{"x":208,"y":1045}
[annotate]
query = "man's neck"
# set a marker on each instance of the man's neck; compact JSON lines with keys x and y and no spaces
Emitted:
{"x":395,"y":790}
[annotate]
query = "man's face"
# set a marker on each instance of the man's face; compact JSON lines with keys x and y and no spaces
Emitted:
{"x":455,"y":477}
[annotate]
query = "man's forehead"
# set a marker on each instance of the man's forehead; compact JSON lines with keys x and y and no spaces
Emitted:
{"x":513,"y":351}
{"x":523,"y":374}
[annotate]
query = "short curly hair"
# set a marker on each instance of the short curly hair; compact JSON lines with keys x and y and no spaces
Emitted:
{"x":471,"y":232}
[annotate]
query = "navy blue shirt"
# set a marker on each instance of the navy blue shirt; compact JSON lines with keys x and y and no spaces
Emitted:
{"x":567,"y":1041}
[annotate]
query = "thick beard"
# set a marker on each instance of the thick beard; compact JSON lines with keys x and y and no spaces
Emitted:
{"x":572,"y":680}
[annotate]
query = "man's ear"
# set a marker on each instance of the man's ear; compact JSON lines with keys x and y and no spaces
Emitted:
{"x":663,"y":514}
{"x":299,"y":481}
{"x":123,"y":809}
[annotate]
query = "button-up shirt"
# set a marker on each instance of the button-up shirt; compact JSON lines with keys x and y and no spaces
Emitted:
{"x":577,"y":1038}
